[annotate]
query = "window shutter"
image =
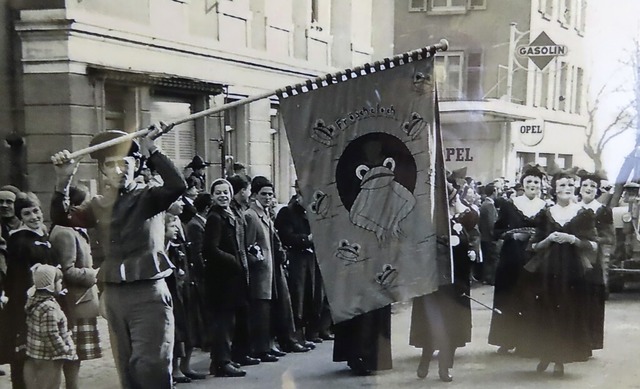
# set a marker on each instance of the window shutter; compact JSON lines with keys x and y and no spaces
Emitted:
{"x":180,"y":143}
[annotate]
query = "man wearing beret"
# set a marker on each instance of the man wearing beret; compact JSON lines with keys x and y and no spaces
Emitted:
{"x":137,"y":302}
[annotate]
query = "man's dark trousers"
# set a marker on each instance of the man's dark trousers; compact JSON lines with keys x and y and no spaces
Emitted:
{"x":141,"y":328}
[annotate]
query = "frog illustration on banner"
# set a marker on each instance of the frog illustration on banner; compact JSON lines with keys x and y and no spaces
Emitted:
{"x":375,"y":177}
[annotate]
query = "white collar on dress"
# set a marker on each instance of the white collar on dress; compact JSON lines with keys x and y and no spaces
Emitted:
{"x":593,"y":205}
{"x":529,"y":207}
{"x":40,"y":232}
{"x":562,"y":215}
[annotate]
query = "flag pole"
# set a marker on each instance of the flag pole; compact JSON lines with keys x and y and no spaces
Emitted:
{"x":330,"y":78}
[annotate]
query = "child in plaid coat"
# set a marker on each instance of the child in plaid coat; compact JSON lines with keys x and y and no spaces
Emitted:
{"x":49,"y":341}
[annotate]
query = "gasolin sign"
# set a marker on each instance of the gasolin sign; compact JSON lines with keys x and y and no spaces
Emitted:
{"x":542,"y":50}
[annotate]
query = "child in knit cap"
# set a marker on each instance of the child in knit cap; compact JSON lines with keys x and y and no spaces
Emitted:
{"x":49,"y":341}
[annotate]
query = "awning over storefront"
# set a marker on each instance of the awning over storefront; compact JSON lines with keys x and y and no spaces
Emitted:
{"x":157,"y":79}
{"x":484,"y":111}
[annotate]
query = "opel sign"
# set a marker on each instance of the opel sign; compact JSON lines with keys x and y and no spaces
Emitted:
{"x":542,"y":50}
{"x":530,"y":132}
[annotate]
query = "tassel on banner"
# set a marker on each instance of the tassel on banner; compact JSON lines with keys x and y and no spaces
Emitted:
{"x":283,"y":93}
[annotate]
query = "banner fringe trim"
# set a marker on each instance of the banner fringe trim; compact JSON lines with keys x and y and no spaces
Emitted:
{"x":362,"y":70}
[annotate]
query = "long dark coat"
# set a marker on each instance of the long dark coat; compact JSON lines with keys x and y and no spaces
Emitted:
{"x":197,"y":291}
{"x":25,"y":248}
{"x":226,"y":277}
{"x":260,"y":231}
{"x":294,"y":232}
{"x":449,"y":300}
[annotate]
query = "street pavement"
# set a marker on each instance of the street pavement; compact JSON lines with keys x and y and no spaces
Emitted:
{"x":476,"y":366}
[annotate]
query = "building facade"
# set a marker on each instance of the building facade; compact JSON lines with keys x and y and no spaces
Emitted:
{"x":500,"y":107}
{"x":77,"y":67}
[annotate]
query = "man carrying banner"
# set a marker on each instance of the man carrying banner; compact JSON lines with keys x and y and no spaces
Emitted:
{"x":137,"y":302}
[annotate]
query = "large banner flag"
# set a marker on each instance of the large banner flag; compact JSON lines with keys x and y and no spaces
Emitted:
{"x":368,"y":157}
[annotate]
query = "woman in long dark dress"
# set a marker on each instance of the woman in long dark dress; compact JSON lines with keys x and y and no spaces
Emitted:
{"x":564,"y":247}
{"x":442,"y":320}
{"x":589,"y":189}
{"x":515,"y":225}
{"x":364,"y":341}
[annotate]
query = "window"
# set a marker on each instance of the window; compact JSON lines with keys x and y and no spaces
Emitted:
{"x":180,"y":143}
{"x":234,"y":22}
{"x":563,"y":94}
{"x":318,"y":32}
{"x":169,"y":13}
{"x":121,"y":107}
{"x":564,"y":161}
{"x":279,"y":27}
{"x":417,"y":5}
{"x":581,"y":15}
{"x":114,"y":106}
{"x":474,"y":76}
{"x":448,"y":73}
{"x":279,"y":12}
{"x":546,"y":8}
{"x":546,"y":160}
{"x":579,"y":91}
{"x":321,"y":15}
{"x":565,"y":14}
{"x":477,"y":4}
{"x":544,"y":89}
{"x":361,"y":16}
{"x":524,"y":159}
{"x":448,"y":5}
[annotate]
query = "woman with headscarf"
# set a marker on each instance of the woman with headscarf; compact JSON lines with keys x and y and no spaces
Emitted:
{"x":442,"y":320}
{"x":564,"y":245}
{"x":589,"y":190}
{"x":515,"y":225}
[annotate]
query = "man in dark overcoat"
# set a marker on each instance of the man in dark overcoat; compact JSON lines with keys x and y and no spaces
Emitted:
{"x":488,"y":218}
{"x":305,"y":284}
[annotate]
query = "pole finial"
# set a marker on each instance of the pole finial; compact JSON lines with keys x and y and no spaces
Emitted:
{"x":443,"y":45}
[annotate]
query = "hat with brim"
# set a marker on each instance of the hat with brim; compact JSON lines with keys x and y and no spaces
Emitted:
{"x":458,"y":174}
{"x":123,"y":149}
{"x":197,"y":163}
